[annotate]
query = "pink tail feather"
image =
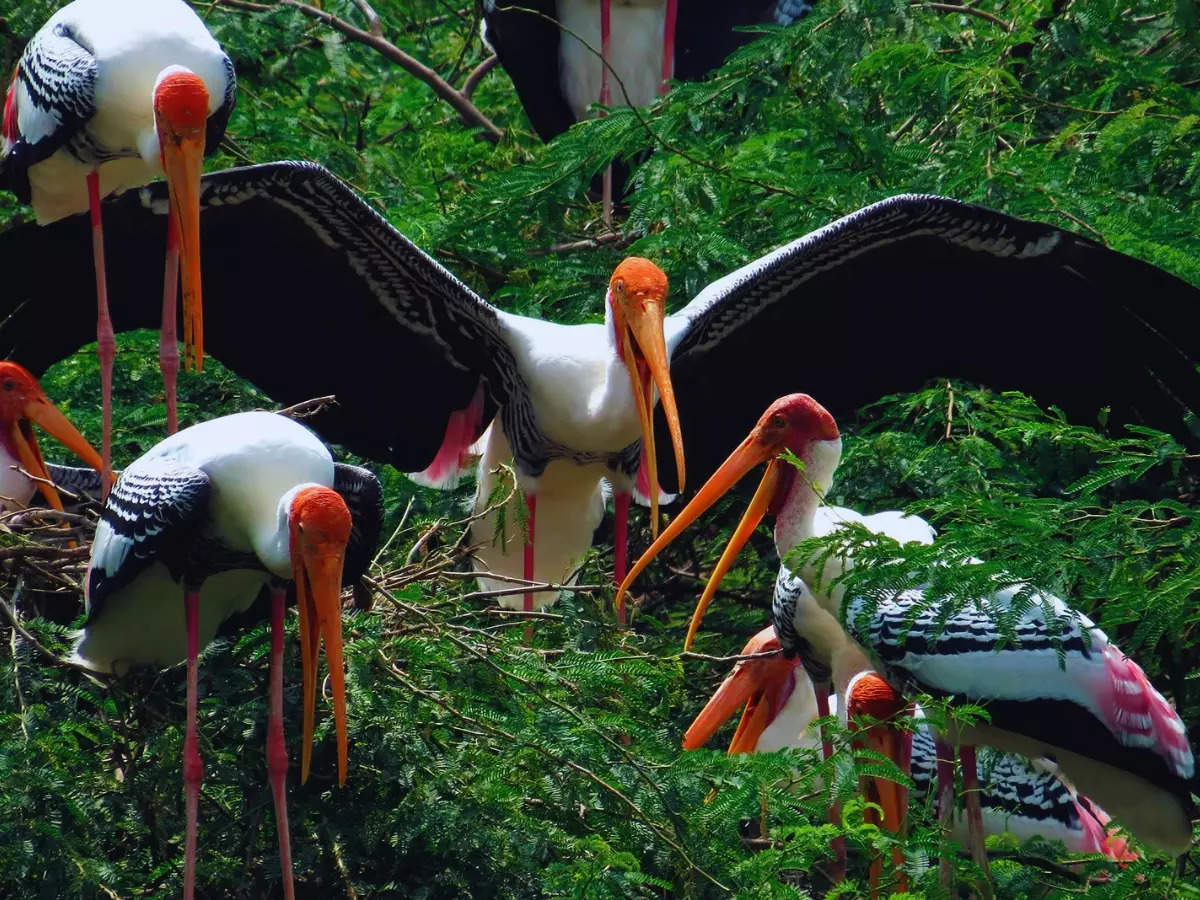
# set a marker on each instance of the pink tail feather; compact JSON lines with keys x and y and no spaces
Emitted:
{"x":1140,"y":716}
{"x":454,"y":456}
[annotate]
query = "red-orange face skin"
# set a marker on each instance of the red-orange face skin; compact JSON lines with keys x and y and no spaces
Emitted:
{"x":876,"y":698}
{"x":181,"y":105}
{"x":791,"y":423}
{"x":17,"y":388}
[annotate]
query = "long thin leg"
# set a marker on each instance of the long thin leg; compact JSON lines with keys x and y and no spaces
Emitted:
{"x":106,"y":343}
{"x":974,"y":810}
{"x":531,"y":505}
{"x":277,"y":758}
{"x":837,"y":869}
{"x":193,"y":767}
{"x":621,"y":544}
{"x":606,"y":100}
{"x":168,"y":345}
{"x":668,"y":56}
{"x":945,"y":806}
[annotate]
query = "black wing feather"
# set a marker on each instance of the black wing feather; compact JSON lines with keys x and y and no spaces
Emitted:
{"x":364,"y":496}
{"x":915,"y":288}
{"x":151,"y":513}
{"x":309,"y":292}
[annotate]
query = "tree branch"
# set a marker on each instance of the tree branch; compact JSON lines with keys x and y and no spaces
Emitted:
{"x":467,"y":110}
{"x":477,"y":74}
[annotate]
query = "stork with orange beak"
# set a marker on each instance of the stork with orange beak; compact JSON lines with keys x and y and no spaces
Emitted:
{"x":109,"y":96}
{"x":1059,"y":689}
{"x":191,"y":533}
{"x":1016,"y":797}
{"x":24,"y":404}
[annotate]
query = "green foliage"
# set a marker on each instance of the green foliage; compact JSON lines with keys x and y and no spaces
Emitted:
{"x":483,"y":766}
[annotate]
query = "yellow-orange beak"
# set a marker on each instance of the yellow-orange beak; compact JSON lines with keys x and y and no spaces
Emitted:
{"x":644,"y":352}
{"x":318,"y":593}
{"x":750,"y":453}
{"x":46,"y":415}
{"x":183,"y":158}
{"x":759,"y":684}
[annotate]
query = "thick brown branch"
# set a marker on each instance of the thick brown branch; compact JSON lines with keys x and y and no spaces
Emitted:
{"x":477,"y":74}
{"x":465,"y":108}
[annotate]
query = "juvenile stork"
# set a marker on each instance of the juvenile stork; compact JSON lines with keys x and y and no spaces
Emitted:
{"x":108,"y":95}
{"x":421,"y":365}
{"x":1059,"y":690}
{"x":190,"y":534}
{"x":778,"y":705}
{"x":24,"y":404}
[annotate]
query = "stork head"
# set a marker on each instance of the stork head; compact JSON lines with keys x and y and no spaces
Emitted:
{"x":320,"y":530}
{"x":872,"y":708}
{"x":637,"y":294}
{"x":796,"y":422}
{"x":22,"y":404}
{"x":181,"y":118}
{"x":762,"y":685}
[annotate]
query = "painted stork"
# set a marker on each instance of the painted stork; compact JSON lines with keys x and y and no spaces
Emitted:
{"x":109,"y":96}
{"x":552,"y":49}
{"x":190,"y":534}
{"x":400,"y":333}
{"x":1017,"y":797}
{"x":24,"y":404}
{"x":1058,"y":690}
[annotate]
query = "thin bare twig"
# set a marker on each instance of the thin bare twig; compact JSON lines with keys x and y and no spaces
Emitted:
{"x":372,"y":17}
{"x":476,"y":75}
{"x":467,"y":110}
{"x":689,"y":654}
{"x":15,"y":621}
{"x":966,"y":10}
{"x":618,"y":238}
{"x":308,"y":408}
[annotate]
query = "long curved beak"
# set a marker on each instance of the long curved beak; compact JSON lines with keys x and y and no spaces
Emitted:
{"x":183,"y":159}
{"x":318,"y":593}
{"x":652,"y":370}
{"x":47,"y":416}
{"x":748,"y":454}
{"x":744,"y":686}
{"x":891,"y":797}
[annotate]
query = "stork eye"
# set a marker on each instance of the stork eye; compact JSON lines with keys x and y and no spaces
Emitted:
{"x":10,"y":385}
{"x":779,"y":420}
{"x":620,"y":285}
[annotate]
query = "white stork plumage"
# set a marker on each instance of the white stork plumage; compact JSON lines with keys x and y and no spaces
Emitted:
{"x":1017,"y":797}
{"x":399,"y":333}
{"x":24,"y":404}
{"x":191,"y":533}
{"x":1061,"y":691}
{"x":108,"y":96}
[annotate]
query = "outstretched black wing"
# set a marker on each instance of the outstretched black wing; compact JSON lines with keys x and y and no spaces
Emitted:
{"x":364,"y":496}
{"x":151,"y":513}
{"x":919,"y":287}
{"x":308,"y":292}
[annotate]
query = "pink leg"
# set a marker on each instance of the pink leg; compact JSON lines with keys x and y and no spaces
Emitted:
{"x":277,"y":758}
{"x":837,"y":869}
{"x":621,"y":544}
{"x":974,"y":810}
{"x":193,"y":767}
{"x":531,"y":505}
{"x":106,"y":344}
{"x":168,"y":346}
{"x":668,"y":57}
{"x":945,"y":805}
{"x":606,"y":100}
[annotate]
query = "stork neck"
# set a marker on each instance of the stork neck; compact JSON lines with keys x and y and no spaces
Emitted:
{"x":794,"y":522}
{"x":274,"y":548}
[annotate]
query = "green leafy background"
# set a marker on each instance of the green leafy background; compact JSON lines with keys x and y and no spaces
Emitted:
{"x":483,"y":766}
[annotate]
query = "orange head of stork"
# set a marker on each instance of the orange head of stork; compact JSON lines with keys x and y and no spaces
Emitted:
{"x":796,"y":422}
{"x":638,"y":297}
{"x":22,"y":404}
{"x":320,"y":530}
{"x":763,"y":685}
{"x":180,"y":119}
{"x":872,"y":708}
